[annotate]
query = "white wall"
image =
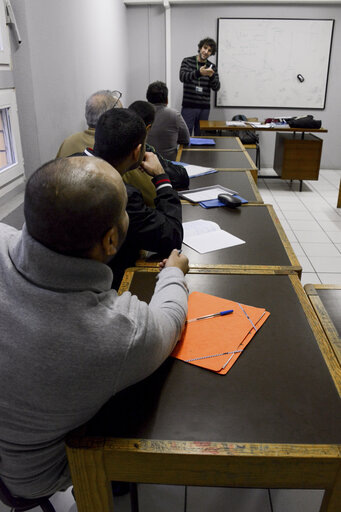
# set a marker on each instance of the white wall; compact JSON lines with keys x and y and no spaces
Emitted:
{"x":70,"y":49}
{"x":190,"y":23}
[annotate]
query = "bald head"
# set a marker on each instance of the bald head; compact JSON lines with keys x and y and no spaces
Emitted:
{"x":98,"y":103}
{"x":70,"y":203}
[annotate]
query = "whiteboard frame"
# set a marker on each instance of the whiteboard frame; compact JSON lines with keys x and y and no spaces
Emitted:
{"x":319,"y":105}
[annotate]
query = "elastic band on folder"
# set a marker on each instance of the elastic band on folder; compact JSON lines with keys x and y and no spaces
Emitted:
{"x":214,"y":355}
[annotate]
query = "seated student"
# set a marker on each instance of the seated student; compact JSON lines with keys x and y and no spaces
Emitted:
{"x":169,"y":128}
{"x":68,"y":341}
{"x":176,"y":173}
{"x":98,"y":103}
{"x":120,"y":140}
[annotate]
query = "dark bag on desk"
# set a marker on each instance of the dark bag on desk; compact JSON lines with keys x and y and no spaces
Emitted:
{"x":304,"y":122}
{"x":246,"y":136}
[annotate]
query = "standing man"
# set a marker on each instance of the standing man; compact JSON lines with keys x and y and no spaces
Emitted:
{"x":199,"y":76}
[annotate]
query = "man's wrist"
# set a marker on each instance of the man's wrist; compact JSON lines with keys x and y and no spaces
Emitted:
{"x":161,"y":181}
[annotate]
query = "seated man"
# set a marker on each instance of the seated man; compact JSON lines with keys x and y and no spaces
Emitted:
{"x":68,"y":341}
{"x":120,"y":140}
{"x":176,"y":173}
{"x":95,"y":106}
{"x":169,"y":128}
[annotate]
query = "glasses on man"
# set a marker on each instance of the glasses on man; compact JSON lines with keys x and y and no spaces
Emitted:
{"x":117,"y":95}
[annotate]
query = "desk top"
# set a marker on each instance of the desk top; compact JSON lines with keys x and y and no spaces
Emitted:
{"x":240,"y":181}
{"x":221,"y":125}
{"x":218,"y":159}
{"x":279,"y":391}
{"x":266,"y":242}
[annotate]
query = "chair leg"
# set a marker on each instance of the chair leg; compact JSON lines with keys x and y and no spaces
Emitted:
{"x":134,"y":500}
{"x":47,"y":507}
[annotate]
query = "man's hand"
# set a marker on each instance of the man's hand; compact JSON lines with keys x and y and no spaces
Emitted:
{"x":151,"y":164}
{"x":206,"y":71}
{"x":175,"y":260}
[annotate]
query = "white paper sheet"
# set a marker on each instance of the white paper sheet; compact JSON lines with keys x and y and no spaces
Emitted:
{"x":198,"y":170}
{"x":205,"y":195}
{"x":205,"y":236}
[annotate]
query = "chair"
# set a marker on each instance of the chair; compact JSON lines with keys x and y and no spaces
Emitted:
{"x":21,"y":504}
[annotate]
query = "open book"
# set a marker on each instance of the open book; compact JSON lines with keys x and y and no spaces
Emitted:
{"x":206,"y":236}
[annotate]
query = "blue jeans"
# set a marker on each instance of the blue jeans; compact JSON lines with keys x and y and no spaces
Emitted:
{"x":192,"y":116}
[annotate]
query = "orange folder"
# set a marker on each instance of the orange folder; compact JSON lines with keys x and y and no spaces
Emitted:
{"x":216,"y":343}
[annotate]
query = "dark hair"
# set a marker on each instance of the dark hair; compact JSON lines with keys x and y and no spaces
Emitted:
{"x":145,"y":110}
{"x":118,"y":132}
{"x":209,"y":42}
{"x":157,"y":92}
{"x":68,"y":207}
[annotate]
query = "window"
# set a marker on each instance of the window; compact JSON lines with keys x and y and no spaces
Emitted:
{"x":11,"y":159}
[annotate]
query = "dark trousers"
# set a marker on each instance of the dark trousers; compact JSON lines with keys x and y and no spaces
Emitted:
{"x":192,"y":116}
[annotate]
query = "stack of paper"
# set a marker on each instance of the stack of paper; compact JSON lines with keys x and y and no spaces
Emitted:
{"x":236,"y":123}
{"x":206,"y":236}
{"x":216,"y":343}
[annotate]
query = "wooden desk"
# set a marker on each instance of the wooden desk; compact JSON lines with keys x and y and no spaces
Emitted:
{"x":220,"y":159}
{"x":266,"y":243}
{"x":326,"y":301}
{"x":274,"y":421}
{"x":296,"y":158}
{"x":241,"y":181}
{"x":221,"y":126}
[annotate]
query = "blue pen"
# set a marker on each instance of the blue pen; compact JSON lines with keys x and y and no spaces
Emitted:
{"x":221,"y":313}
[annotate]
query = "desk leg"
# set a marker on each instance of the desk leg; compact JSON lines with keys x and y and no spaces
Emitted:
{"x":92,"y":488}
{"x":339,"y":198}
{"x":332,"y":497}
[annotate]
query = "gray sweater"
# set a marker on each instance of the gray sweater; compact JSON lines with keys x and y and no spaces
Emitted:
{"x":68,"y":343}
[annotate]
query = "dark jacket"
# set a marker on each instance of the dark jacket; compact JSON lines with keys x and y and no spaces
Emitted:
{"x":156,"y":229}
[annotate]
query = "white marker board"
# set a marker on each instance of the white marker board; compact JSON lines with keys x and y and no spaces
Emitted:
{"x":261,"y":62}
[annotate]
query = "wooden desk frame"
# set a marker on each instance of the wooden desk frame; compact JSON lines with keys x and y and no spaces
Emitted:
{"x":95,"y":462}
{"x":252,"y":167}
{"x":227,"y":268}
{"x":323,"y":316}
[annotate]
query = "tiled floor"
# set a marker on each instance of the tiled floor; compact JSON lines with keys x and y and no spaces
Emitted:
{"x":311,"y":221}
{"x":313,"y":225}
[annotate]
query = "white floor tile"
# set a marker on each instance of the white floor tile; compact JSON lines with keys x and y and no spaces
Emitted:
{"x":296,"y":500}
{"x":326,"y":263}
{"x":330,"y":226}
{"x":304,"y":225}
{"x":335,"y":237}
{"x":311,"y":249}
{"x":295,"y":206}
{"x":312,"y":236}
{"x":299,"y":215}
{"x":306,"y":264}
{"x":298,"y":249}
{"x":328,"y":214}
{"x":208,"y":499}
{"x":327,"y":278}
{"x":338,"y":246}
{"x":310,"y":278}
{"x":290,"y":235}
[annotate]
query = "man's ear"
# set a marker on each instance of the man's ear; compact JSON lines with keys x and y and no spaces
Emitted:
{"x":136,"y":152}
{"x":110,"y":241}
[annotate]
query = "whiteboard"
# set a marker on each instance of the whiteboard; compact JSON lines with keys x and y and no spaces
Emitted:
{"x":259,"y":61}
